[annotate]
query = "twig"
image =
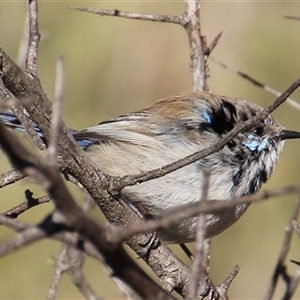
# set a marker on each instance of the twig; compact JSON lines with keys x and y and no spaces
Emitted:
{"x":193,"y":209}
{"x":75,"y":271}
{"x":21,"y":60}
{"x":61,"y":267}
{"x":197,"y":58}
{"x":133,"y":16}
{"x":11,"y":177}
{"x":28,"y":235}
{"x":292,"y":286}
{"x":75,"y":260}
{"x":213,"y":44}
{"x":223,"y":288}
{"x":29,"y":202}
{"x":296,"y":228}
{"x":190,"y":20}
{"x":34,"y":38}
{"x":74,"y":162}
{"x":199,"y":245}
{"x":270,"y":90}
{"x":68,"y":214}
{"x":117,"y":185}
{"x":56,"y":111}
{"x":65,"y":237}
{"x":280,"y":268}
{"x":292,"y":18}
{"x":21,"y":115}
{"x":206,"y":255}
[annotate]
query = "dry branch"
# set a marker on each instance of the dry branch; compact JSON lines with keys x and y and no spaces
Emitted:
{"x":69,"y":215}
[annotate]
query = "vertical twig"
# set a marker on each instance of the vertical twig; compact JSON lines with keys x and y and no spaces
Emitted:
{"x":21,"y":60}
{"x":34,"y":38}
{"x":61,"y":267}
{"x":197,"y":57}
{"x":206,"y":255}
{"x":200,"y":242}
{"x":76,"y":261}
{"x":56,"y":112}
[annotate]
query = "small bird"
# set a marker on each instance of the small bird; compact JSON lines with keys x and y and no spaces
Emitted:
{"x":173,"y":128}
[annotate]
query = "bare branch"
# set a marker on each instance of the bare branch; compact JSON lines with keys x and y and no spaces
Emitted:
{"x":34,"y":38}
{"x":280,"y":267}
{"x":75,"y":271}
{"x":21,"y":115}
{"x":61,"y":267}
{"x":117,"y":185}
{"x":190,"y":20}
{"x":21,"y":60}
{"x":56,"y":112}
{"x":69,"y":214}
{"x":193,"y":209}
{"x":133,"y":16}
{"x":193,"y":29}
{"x":73,"y":161}
{"x":65,"y":237}
{"x":71,"y":261}
{"x":270,"y":90}
{"x":296,"y":228}
{"x":206,"y":255}
{"x":213,"y":44}
{"x":292,"y":18}
{"x":223,"y":288}
{"x":10,"y":177}
{"x":28,"y":203}
{"x":200,"y":240}
{"x":292,"y":286}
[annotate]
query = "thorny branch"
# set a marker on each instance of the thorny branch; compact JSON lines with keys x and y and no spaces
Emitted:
{"x":70,"y":261}
{"x":200,"y":242}
{"x":42,"y":116}
{"x":267,"y":88}
{"x":72,"y":160}
{"x":195,"y":208}
{"x":118,"y":185}
{"x":190,"y":21}
{"x":280,"y":269}
{"x":69,"y":215}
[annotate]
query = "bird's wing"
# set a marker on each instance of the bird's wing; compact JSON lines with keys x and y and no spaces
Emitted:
{"x":134,"y":128}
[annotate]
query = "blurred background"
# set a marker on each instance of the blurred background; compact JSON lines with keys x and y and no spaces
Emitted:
{"x":114,"y":66}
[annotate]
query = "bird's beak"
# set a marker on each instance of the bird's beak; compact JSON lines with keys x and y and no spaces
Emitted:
{"x":289,"y":134}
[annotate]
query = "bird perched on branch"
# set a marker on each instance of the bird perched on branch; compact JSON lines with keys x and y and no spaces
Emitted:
{"x":173,"y":128}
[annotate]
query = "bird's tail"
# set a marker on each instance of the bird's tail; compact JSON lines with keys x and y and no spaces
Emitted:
{"x":11,"y":121}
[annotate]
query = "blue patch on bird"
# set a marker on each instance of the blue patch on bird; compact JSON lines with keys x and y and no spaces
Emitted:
{"x":207,"y":117}
{"x":251,"y":145}
{"x":263,"y":145}
{"x":85,"y":143}
{"x":254,"y":143}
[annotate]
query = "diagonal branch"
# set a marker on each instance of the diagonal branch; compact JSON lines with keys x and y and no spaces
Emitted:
{"x":161,"y":260}
{"x":69,"y":214}
{"x":134,"y":16}
{"x":280,"y":267}
{"x":117,"y":185}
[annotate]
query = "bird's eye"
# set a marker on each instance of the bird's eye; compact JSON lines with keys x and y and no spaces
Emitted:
{"x":259,"y":131}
